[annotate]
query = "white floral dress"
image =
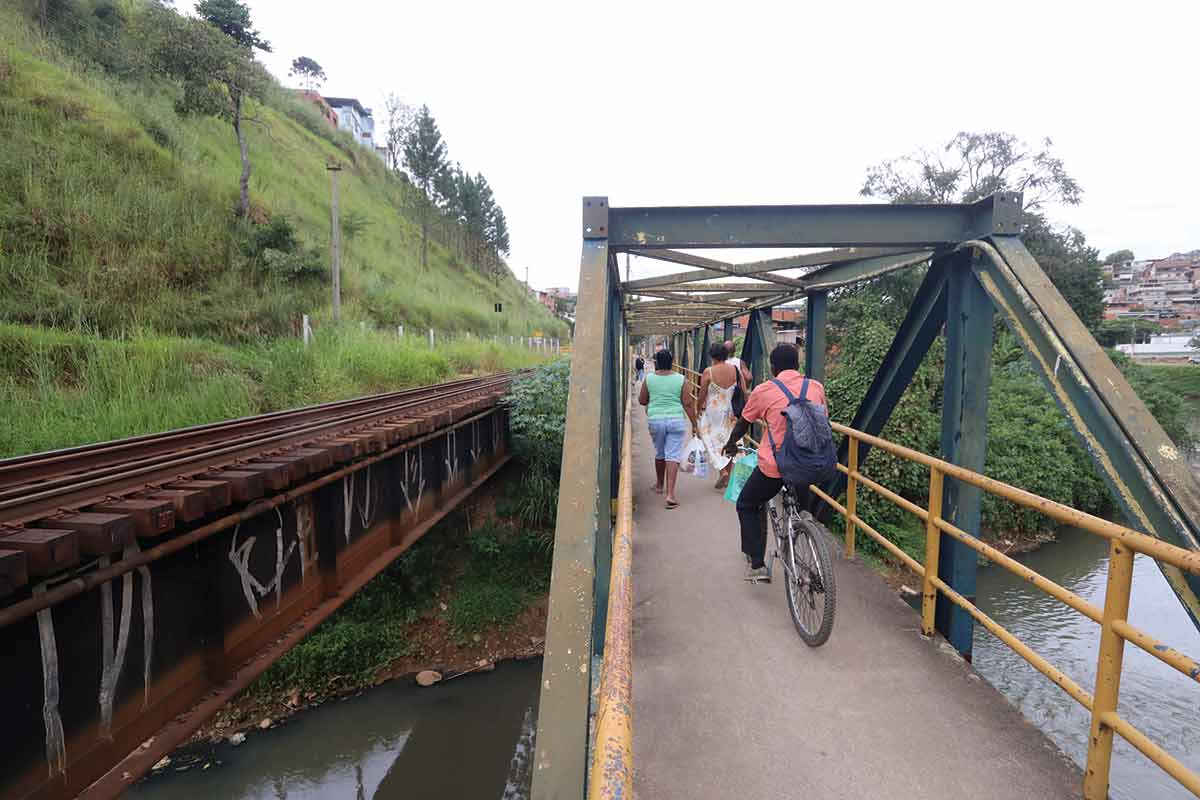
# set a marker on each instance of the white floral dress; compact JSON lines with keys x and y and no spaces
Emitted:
{"x":717,"y":421}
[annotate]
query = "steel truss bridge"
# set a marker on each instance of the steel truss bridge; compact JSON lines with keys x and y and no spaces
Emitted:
{"x":976,"y":268}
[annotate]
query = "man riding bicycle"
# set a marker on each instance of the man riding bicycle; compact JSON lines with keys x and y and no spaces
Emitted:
{"x":767,"y":403}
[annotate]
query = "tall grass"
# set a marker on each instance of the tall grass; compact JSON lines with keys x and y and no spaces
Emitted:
{"x":60,"y":389}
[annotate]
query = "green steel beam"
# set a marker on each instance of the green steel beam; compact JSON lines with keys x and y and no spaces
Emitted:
{"x":583,"y":519}
{"x":814,"y":336}
{"x":759,"y":270}
{"x":734,"y":289}
{"x":705,"y":340}
{"x":968,"y":374}
{"x":880,"y":224}
{"x":708,"y":268}
{"x":849,"y":272}
{"x":1148,"y":475}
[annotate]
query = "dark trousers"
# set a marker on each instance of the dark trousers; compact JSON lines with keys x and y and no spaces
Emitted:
{"x":758,"y":490}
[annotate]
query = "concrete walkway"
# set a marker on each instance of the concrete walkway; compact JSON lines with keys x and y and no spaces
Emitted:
{"x":729,"y":703}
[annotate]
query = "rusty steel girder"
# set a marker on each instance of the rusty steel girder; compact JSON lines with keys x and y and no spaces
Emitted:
{"x":110,"y":664}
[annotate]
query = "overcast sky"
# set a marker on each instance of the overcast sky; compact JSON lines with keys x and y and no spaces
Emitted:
{"x":654,"y":103}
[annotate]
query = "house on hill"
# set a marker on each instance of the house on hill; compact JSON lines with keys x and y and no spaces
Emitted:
{"x":354,"y":118}
{"x":326,"y":110}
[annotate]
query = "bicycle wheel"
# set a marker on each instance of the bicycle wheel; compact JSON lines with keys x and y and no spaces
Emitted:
{"x":811,"y":590}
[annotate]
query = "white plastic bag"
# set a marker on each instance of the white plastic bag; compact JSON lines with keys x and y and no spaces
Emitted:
{"x":695,"y":459}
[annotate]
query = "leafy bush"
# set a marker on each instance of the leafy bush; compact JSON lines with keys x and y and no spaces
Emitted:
{"x":507,"y":569}
{"x":537,"y":420}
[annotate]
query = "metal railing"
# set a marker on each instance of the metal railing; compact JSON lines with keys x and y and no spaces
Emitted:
{"x":1115,"y":629}
{"x":611,"y":774}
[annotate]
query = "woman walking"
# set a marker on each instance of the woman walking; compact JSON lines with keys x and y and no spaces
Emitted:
{"x":664,"y":393}
{"x":716,"y":409}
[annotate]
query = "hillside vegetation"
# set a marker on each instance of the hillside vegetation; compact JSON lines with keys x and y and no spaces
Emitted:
{"x":135,"y":298}
{"x":116,"y":212}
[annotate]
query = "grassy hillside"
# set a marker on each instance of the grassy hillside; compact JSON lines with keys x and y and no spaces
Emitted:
{"x":116,"y":213}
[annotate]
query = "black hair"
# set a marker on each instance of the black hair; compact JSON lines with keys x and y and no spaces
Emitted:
{"x":784,"y":356}
{"x":718,"y":352}
{"x":663,"y":359}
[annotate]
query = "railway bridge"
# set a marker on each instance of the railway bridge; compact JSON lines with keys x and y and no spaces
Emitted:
{"x":145,"y":582}
{"x":667,"y":676}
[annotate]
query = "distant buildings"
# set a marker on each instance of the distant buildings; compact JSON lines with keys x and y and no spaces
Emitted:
{"x":1164,"y":289}
{"x":349,"y":115}
{"x":326,"y":110}
{"x":355,"y":119}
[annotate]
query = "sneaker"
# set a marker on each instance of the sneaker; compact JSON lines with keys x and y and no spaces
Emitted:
{"x":758,"y":574}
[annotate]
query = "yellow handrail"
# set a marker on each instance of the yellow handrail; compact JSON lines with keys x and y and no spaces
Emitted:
{"x":611,"y":773}
{"x":1115,"y":629}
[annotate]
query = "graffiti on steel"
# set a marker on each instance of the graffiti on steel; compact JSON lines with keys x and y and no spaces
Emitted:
{"x":239,"y":556}
{"x":414,"y":475}
{"x":451,"y":453}
{"x":56,"y":747}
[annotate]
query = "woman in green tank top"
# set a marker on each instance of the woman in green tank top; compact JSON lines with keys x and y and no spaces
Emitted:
{"x":668,"y":404}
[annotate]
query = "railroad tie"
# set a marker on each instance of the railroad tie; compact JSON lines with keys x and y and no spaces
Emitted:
{"x":99,"y":534}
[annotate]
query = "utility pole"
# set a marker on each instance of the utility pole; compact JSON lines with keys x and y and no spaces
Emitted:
{"x":627,"y":267}
{"x":335,"y":245}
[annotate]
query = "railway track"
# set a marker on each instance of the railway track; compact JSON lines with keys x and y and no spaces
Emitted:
{"x":60,"y":507}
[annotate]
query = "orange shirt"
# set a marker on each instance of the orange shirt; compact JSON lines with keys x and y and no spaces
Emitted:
{"x":767,"y":402}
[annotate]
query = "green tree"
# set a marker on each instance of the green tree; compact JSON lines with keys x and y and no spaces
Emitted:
{"x":425,"y":157}
{"x":1119,"y":257}
{"x":232,"y":18}
{"x":212,"y":57}
{"x":972,"y":166}
{"x":308,"y":71}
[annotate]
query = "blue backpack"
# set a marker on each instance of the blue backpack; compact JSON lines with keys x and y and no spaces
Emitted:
{"x":807,"y":455}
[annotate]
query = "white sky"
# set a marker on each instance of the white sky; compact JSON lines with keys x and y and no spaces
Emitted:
{"x":656,"y":103}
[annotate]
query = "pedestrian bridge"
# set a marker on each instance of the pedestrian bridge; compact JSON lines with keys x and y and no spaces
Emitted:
{"x":666,"y":675}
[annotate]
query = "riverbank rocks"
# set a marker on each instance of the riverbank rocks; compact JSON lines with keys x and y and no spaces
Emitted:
{"x":237,"y":739}
{"x":428,"y":677}
{"x":266,"y":723}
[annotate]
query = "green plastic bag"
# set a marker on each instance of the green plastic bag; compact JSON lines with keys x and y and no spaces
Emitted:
{"x":742,"y":469}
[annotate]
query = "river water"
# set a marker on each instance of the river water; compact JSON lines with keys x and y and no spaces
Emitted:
{"x":467,"y":738}
{"x":472,"y":738}
{"x":1163,"y":703}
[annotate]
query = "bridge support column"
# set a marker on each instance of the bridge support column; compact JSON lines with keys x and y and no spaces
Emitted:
{"x":814,"y":336}
{"x":700,"y":348}
{"x":968,"y":374}
{"x":728,"y":333}
{"x":756,"y":349}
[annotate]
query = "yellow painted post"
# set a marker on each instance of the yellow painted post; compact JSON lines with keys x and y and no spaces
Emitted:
{"x":933,"y":538}
{"x":851,"y":496}
{"x":1108,"y":670}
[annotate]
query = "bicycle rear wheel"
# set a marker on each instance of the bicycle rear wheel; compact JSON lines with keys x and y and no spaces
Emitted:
{"x":811,"y":590}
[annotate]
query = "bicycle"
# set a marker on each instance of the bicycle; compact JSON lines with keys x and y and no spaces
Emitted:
{"x":802,"y":546}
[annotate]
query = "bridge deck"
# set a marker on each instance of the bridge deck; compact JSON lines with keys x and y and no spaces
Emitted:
{"x":730,"y":703}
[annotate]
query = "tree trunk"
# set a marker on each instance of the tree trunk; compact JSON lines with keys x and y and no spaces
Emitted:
{"x":243,"y":147}
{"x":425,"y":239}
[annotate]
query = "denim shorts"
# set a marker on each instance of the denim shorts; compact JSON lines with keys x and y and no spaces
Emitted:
{"x":668,"y":434}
